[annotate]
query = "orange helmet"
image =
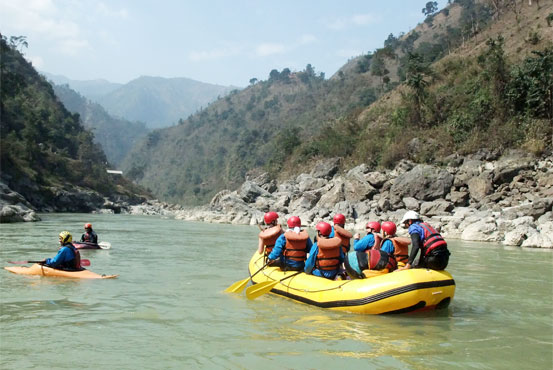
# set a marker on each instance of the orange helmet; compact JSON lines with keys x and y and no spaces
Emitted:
{"x":270,"y":217}
{"x":389,"y":227}
{"x":339,"y":219}
{"x":88,"y":226}
{"x":324,"y":228}
{"x":374,"y":225}
{"x":294,"y":221}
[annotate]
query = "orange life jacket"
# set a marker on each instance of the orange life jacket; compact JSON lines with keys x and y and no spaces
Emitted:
{"x":296,"y":245}
{"x":432,"y":238}
{"x":328,"y":257}
{"x":344,"y":236}
{"x":401,"y":249}
{"x":269,"y":237}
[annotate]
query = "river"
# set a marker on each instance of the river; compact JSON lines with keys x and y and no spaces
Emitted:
{"x":167,"y":309}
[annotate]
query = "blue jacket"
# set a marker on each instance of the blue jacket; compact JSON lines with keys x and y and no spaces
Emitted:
{"x":63,"y":258}
{"x":364,"y":244}
{"x":279,"y":249}
{"x":388,"y":247}
{"x":310,"y":264}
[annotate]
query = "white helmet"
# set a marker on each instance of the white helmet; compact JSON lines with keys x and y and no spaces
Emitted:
{"x":410,"y":215}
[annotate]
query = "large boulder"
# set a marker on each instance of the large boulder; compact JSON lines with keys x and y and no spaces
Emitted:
{"x":509,"y":165}
{"x":326,"y":169}
{"x":480,"y":186}
{"x":482,"y":230}
{"x":249,"y":191}
{"x":423,"y":182}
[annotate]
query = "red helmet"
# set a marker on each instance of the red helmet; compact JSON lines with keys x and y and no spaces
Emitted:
{"x":374,"y":225}
{"x":88,"y":226}
{"x":339,"y":219}
{"x":389,"y":227}
{"x":324,"y":228}
{"x":270,"y":217}
{"x":294,"y":221}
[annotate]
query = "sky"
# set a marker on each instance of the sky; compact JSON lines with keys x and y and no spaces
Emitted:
{"x":213,"y":41}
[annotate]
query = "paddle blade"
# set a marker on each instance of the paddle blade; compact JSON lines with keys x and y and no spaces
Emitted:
{"x":85,"y":262}
{"x":104,"y":245}
{"x":238,"y":286}
{"x":259,"y":289}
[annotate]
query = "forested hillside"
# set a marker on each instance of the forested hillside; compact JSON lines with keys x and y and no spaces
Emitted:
{"x":116,"y":136}
{"x":46,"y":152}
{"x":475,"y":75}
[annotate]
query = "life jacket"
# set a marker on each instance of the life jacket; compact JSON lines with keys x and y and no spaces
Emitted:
{"x":401,"y":249}
{"x":432,"y":238}
{"x":296,"y":245}
{"x":377,"y":241}
{"x":344,"y":236}
{"x":269,"y":237}
{"x":377,"y":260}
{"x":328,"y":257}
{"x":75,"y":263}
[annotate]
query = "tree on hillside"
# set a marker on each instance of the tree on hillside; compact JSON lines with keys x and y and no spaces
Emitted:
{"x":430,"y":8}
{"x":417,"y":71}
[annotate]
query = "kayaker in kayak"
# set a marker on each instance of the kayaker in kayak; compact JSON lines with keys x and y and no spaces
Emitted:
{"x":68,"y":257}
{"x":326,"y":255}
{"x":371,"y":240}
{"x":291,"y":248}
{"x":393,"y":245}
{"x":338,"y":230}
{"x":433,"y":247}
{"x":270,"y":234}
{"x":89,"y":236}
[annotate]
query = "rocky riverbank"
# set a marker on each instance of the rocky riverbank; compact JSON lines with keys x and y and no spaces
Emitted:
{"x":482,"y":197}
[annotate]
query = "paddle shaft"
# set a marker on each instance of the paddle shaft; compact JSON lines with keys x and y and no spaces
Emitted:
{"x":84,"y":262}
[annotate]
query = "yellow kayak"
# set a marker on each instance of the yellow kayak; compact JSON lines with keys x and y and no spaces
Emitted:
{"x":40,"y":270}
{"x":396,"y":292}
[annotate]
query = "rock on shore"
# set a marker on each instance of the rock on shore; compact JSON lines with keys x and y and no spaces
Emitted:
{"x":507,"y":199}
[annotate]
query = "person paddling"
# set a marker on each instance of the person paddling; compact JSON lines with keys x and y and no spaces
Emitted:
{"x":89,"y":236}
{"x":291,"y":248}
{"x":269,"y":236}
{"x":369,"y":241}
{"x":68,"y":257}
{"x":394,"y":245}
{"x":326,"y":255}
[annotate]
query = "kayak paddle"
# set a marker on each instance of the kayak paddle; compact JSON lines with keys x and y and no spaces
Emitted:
{"x":240,"y":285}
{"x":105,"y":245}
{"x":84,"y":262}
{"x":265,"y":287}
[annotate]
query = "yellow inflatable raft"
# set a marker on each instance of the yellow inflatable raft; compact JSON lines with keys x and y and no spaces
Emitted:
{"x":396,"y":292}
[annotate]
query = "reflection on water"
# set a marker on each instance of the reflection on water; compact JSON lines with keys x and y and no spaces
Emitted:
{"x":167,"y":309}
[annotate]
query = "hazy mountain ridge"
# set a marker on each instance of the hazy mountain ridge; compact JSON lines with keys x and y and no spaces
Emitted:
{"x":158,"y":101}
{"x":116,"y":136}
{"x":91,"y":89}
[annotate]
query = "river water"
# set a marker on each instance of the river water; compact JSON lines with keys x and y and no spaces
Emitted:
{"x":167,"y":309}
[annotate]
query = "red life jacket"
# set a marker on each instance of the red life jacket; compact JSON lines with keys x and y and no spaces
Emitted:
{"x":296,"y":245}
{"x":328,"y":257}
{"x":269,"y":237}
{"x":76,"y":262}
{"x":377,"y":241}
{"x":344,"y":236}
{"x":380,"y":260}
{"x":401,"y":249}
{"x":432,"y":238}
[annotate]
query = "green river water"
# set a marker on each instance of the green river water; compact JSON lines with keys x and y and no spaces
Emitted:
{"x":167,"y":309}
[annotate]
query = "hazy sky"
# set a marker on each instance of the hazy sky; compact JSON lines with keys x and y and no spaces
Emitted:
{"x":220,"y":42}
